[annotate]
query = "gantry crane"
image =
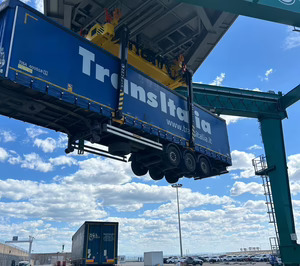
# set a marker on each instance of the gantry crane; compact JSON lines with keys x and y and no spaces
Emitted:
{"x":268,"y":108}
{"x":184,"y":35}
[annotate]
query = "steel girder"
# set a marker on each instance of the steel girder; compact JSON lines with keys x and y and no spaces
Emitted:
{"x":269,"y":109}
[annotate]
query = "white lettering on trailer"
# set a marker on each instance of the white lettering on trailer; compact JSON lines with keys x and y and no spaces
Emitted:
{"x":101,"y":72}
{"x":137,"y":92}
{"x":87,"y":57}
{"x":152,"y":99}
{"x":163,"y":102}
{"x":167,"y":106}
{"x":172,"y":107}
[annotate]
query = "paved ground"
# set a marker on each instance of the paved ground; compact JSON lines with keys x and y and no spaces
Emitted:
{"x":206,"y":264}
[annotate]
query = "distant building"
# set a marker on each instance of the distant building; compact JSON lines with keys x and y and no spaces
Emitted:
{"x":251,"y":251}
{"x":50,"y":258}
{"x":11,"y":255}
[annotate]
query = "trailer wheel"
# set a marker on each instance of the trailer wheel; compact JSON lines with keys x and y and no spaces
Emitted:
{"x":156,"y":174}
{"x":173,"y":155}
{"x":189,"y":161}
{"x":204,"y":166}
{"x":171,"y":178}
{"x":138,"y":169}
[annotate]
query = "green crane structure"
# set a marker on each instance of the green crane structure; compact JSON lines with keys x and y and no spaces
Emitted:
{"x":268,"y":108}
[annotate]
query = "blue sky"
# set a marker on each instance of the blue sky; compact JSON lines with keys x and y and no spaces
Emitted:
{"x":46,"y":194}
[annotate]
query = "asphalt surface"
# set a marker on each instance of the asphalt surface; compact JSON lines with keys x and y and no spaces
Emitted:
{"x":206,"y":264}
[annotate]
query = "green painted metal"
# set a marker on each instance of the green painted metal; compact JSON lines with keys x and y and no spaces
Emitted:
{"x":269,"y":108}
{"x":272,"y":134}
{"x":238,"y":102}
{"x":280,"y":11}
{"x":290,"y":98}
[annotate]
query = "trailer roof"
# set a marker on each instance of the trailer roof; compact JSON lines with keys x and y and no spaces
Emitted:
{"x":167,"y":27}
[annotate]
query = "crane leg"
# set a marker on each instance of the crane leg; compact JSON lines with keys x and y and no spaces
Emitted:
{"x":272,"y":135}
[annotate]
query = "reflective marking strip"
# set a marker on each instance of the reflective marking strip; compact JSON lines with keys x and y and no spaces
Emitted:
{"x":25,"y":68}
{"x":26,"y":18}
{"x":134,"y":139}
{"x":11,"y":41}
{"x":134,"y":135}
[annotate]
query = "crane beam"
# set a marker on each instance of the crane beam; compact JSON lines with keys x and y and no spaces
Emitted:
{"x":280,"y":11}
{"x":290,"y":98}
{"x":238,"y":102}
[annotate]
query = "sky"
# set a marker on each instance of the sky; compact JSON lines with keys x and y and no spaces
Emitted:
{"x":47,"y":194}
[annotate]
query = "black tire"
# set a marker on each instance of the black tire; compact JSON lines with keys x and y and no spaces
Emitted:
{"x":204,"y":166}
{"x":171,"y":178}
{"x":156,"y":174}
{"x":189,"y":161}
{"x":173,"y":155}
{"x":138,"y":169}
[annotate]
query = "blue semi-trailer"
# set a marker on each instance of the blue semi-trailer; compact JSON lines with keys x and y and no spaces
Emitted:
{"x":95,"y":243}
{"x":52,"y":77}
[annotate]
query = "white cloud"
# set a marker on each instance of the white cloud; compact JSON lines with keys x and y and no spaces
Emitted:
{"x":63,"y":160}
{"x":268,"y":73}
{"x":242,"y":161}
{"x":292,"y":40}
{"x":8,"y":136}
{"x":3,"y":154}
{"x":47,"y":145}
{"x":295,"y":188}
{"x":34,"y":161}
{"x":39,"y":5}
{"x":188,"y":199}
{"x":230,"y":119}
{"x":257,"y":89}
{"x":68,"y":205}
{"x":219,"y":80}
{"x":255,"y":147}
{"x":240,"y":188}
{"x":256,"y":205}
{"x":101,"y":171}
{"x":35,"y":131}
{"x":294,"y":167}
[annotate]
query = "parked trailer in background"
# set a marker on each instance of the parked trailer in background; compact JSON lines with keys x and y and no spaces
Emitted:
{"x":54,"y":78}
{"x":95,"y":243}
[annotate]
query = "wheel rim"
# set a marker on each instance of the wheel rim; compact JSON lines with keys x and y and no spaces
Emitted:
{"x":204,"y":166}
{"x":173,"y":156}
{"x":190,"y":162}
